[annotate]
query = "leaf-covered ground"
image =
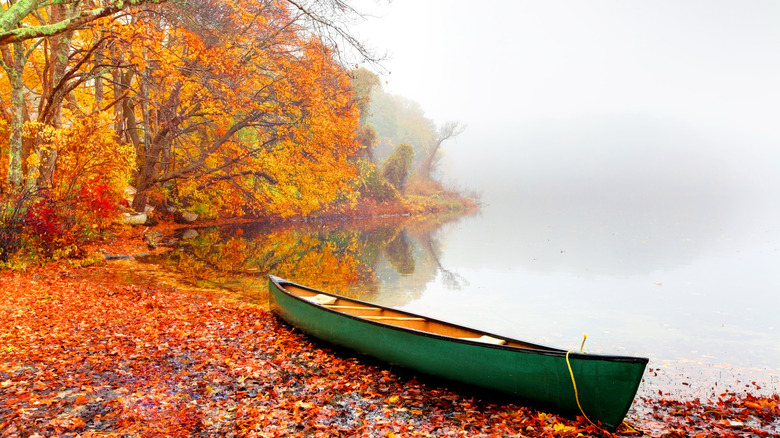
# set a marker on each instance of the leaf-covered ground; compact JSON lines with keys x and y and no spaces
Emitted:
{"x":83,"y":353}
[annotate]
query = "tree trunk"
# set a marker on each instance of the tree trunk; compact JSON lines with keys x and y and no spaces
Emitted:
{"x":147,"y":177}
{"x":98,"y":67}
{"x":129,"y":126}
{"x":118,"y":93}
{"x":450,"y":130}
{"x":15,"y":76}
{"x":58,"y":59}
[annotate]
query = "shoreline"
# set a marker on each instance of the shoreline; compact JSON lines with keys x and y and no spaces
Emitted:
{"x":169,"y":322}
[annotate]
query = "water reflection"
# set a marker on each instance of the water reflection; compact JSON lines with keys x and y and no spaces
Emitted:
{"x":680,"y":280}
{"x":350,"y":258}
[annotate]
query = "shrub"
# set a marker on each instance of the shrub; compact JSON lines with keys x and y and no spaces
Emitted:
{"x":96,"y":206}
{"x":57,"y":220}
{"x":44,"y":223}
{"x":376,"y":187}
{"x":397,"y":166}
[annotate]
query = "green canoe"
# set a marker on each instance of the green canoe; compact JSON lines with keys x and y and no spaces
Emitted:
{"x":541,"y":376}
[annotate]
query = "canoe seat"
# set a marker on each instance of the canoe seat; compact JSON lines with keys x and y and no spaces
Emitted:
{"x":488,"y":340}
{"x":321,"y":299}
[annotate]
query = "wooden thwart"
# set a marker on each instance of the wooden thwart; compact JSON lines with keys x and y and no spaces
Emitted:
{"x":394,"y":318}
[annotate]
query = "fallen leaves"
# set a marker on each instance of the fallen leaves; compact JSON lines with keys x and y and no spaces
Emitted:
{"x":97,"y":357}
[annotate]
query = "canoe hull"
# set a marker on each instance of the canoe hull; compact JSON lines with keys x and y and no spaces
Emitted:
{"x":606,"y":385}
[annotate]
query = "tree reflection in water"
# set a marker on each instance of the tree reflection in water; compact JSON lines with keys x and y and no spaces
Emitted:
{"x":342,"y":257}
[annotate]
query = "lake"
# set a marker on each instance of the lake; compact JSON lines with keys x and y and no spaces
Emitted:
{"x":688,"y":282}
{"x":693,"y":289}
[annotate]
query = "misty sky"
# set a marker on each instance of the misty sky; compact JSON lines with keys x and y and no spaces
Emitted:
{"x":606,"y":91}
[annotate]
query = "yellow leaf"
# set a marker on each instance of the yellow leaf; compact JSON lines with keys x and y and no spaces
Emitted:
{"x":558,"y":427}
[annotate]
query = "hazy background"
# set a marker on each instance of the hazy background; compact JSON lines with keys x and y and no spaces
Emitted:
{"x":627,"y":153}
{"x":627,"y":100}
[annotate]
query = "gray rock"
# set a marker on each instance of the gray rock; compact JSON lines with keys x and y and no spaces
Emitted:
{"x":134,"y":218}
{"x":189,"y":216}
{"x":189,"y":234}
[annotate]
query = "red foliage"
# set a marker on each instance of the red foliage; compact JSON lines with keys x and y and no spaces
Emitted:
{"x":96,"y":199}
{"x":57,"y":220}
{"x":44,"y":221}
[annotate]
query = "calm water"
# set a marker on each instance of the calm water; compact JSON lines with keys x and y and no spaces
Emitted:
{"x":691,"y":284}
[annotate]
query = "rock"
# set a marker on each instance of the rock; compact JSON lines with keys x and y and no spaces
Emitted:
{"x":189,"y":216}
{"x":189,"y":233}
{"x":116,"y":256}
{"x":134,"y":218}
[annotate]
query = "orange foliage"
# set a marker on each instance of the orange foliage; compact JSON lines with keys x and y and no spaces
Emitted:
{"x":231,"y":107}
{"x":260,"y":120}
{"x":87,"y":149}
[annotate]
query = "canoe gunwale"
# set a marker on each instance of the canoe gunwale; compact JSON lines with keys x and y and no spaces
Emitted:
{"x":532,"y":348}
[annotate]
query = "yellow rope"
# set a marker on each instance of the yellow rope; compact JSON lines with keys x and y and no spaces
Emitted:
{"x":576,"y":395}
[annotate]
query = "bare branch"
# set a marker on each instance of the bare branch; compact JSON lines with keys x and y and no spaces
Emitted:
{"x":332,"y":20}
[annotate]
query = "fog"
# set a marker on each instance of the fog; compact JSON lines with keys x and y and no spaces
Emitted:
{"x":594,"y":100}
{"x":622,"y":158}
{"x":627,"y":155}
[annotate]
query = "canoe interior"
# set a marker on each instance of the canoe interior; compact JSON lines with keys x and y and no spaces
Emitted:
{"x":410,"y":321}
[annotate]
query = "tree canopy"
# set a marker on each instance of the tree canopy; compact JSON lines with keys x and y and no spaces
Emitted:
{"x":242,"y":106}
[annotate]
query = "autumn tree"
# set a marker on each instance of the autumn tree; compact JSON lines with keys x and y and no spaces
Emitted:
{"x":25,"y":26}
{"x":239,"y":107}
{"x":364,"y":82}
